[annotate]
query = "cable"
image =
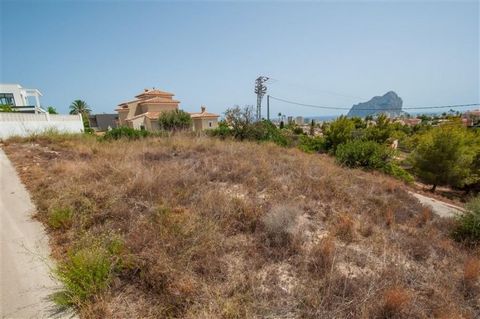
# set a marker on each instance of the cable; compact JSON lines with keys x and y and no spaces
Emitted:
{"x":369,"y":109}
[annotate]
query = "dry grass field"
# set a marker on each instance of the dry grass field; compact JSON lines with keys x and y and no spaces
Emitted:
{"x":194,"y":227}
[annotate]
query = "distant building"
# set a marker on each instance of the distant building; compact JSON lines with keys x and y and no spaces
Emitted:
{"x":103,"y":122}
{"x":471,"y":118}
{"x":144,"y":111}
{"x":20,"y":99}
{"x":204,"y":120}
{"x":299,"y":120}
{"x":412,"y":121}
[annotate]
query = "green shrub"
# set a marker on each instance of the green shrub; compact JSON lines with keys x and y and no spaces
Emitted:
{"x":222,"y":130}
{"x":125,"y":132}
{"x":445,"y":155}
{"x":339,"y":132}
{"x":266,"y":131}
{"x":312,"y":144}
{"x":396,"y":171}
{"x":60,"y":218}
{"x":84,"y":275}
{"x":89,"y":131}
{"x":298,"y":130}
{"x":175,"y":120}
{"x":6,"y":108}
{"x":366,"y":154}
{"x":468,"y":224}
{"x":52,"y":110}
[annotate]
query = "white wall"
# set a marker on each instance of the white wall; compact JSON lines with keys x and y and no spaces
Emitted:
{"x":24,"y":124}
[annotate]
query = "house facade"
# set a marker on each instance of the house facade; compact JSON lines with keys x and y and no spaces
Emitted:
{"x":20,"y":99}
{"x":144,"y":111}
{"x":103,"y":122}
{"x":471,"y":118}
{"x":204,"y":120}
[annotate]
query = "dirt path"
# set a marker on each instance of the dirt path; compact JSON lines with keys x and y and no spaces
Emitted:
{"x":25,"y":281}
{"x":440,"y":208}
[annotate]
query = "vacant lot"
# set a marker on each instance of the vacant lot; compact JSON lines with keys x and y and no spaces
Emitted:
{"x":186,"y":227}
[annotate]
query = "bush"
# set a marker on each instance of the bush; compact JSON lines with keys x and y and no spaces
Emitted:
{"x":339,"y":132}
{"x":312,"y":144}
{"x":298,"y":130}
{"x":6,"y":108}
{"x":468,"y":224}
{"x":445,"y":155}
{"x":60,"y":218}
{"x":280,"y":225}
{"x":395,"y":300}
{"x":266,"y":131}
{"x":396,"y":171}
{"x":321,"y":256}
{"x":222,"y":131}
{"x":125,"y":132}
{"x":85,"y":274}
{"x":174,"y":120}
{"x":367,"y":154}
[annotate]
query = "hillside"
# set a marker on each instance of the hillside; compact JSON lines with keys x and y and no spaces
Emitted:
{"x":195,"y":227}
{"x":389,"y":103}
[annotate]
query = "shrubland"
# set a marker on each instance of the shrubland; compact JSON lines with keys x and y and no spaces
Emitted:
{"x":447,"y":154}
{"x":198,"y":227}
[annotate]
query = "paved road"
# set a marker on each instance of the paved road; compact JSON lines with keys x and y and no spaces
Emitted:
{"x":440,"y":208}
{"x":25,"y":281}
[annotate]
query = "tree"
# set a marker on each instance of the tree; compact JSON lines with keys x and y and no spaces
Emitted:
{"x":240,"y":119}
{"x":175,"y":120}
{"x":80,"y":107}
{"x":445,"y":155}
{"x":52,"y":110}
{"x":381,"y":131}
{"x":338,"y":132}
{"x":312,"y":127}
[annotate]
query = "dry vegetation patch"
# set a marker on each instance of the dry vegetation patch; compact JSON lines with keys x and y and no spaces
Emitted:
{"x":193,"y":227}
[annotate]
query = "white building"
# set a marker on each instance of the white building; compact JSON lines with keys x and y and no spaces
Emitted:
{"x":21,"y":99}
{"x":299,"y":120}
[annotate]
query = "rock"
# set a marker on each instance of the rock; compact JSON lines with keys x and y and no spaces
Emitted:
{"x":389,"y":104}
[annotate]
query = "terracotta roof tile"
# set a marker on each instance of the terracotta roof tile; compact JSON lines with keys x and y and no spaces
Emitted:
{"x":197,"y":115}
{"x":159,"y":99}
{"x":154,"y":92}
{"x":150,"y":115}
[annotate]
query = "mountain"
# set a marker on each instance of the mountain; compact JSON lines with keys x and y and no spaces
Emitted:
{"x":390,"y":103}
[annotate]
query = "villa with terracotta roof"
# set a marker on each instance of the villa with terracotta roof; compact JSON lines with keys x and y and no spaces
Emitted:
{"x":143,"y":112}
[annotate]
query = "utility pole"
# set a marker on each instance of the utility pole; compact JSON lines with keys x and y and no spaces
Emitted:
{"x":268,"y":107}
{"x":260,"y":90}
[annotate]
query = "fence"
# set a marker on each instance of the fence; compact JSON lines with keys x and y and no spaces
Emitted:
{"x":24,"y":124}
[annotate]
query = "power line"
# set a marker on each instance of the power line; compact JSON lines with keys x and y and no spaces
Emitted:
{"x":369,"y":109}
{"x":316,"y":90}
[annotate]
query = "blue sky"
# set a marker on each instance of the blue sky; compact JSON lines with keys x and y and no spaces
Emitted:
{"x":324,"y":53}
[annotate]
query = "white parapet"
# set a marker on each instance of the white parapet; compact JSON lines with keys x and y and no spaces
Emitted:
{"x":25,"y":124}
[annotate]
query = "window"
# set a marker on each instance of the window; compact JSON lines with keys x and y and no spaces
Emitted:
{"x":7,"y":99}
{"x":210,"y":123}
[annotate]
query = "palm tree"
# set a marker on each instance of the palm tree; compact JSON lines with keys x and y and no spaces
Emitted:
{"x":79,"y":107}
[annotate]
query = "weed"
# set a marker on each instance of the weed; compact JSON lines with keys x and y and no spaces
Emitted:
{"x":84,"y":275}
{"x":279,"y":224}
{"x":321,"y":256}
{"x":468,"y":224}
{"x":344,"y":228}
{"x":395,"y":300}
{"x":471,"y":274}
{"x":60,"y":218}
